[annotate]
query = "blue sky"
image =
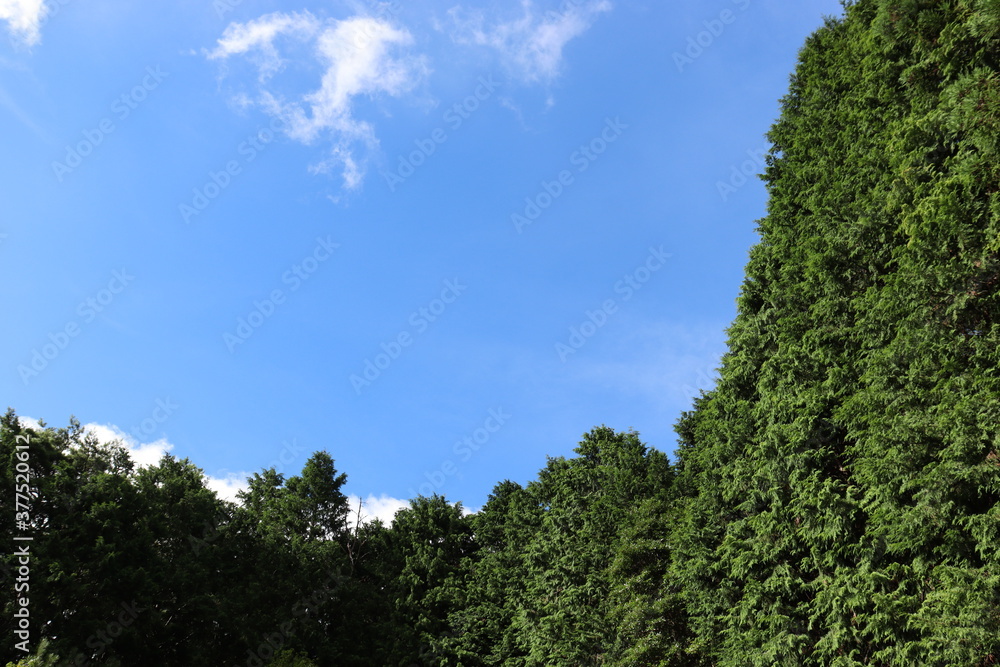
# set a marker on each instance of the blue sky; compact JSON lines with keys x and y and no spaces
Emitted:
{"x":440,"y":240}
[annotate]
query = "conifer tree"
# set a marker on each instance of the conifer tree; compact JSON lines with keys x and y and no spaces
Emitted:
{"x":841,"y":482}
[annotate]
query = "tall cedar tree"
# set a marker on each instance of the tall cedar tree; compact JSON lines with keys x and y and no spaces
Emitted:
{"x":842,"y":480}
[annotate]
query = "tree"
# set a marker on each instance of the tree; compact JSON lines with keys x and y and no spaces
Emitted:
{"x":584,"y":502}
{"x":646,"y":604}
{"x":43,"y":657}
{"x":431,"y":541}
{"x":484,"y":632}
{"x":840,"y":490}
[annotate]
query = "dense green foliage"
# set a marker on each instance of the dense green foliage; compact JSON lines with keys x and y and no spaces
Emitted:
{"x":131,"y":566}
{"x":835,"y":499}
{"x":843,"y":495}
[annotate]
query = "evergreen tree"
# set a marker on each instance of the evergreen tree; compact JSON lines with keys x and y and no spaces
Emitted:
{"x":647,"y":606}
{"x":586,"y":501}
{"x":431,"y":542}
{"x":841,"y":485}
{"x":484,"y":629}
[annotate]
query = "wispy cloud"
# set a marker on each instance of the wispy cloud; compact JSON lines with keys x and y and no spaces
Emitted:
{"x":256,"y":39}
{"x":664,"y":363}
{"x":532,"y":44}
{"x":359,"y":56}
{"x":24,"y":19}
{"x":11,"y":106}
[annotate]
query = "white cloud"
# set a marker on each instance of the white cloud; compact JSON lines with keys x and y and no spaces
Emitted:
{"x":29,"y":422}
{"x":360,"y":56}
{"x":257,"y":37}
{"x":376,"y":507}
{"x":384,"y":507}
{"x":227,"y":487}
{"x":143,"y":454}
{"x":24,"y":19}
{"x":532,"y":45}
{"x":148,"y":454}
